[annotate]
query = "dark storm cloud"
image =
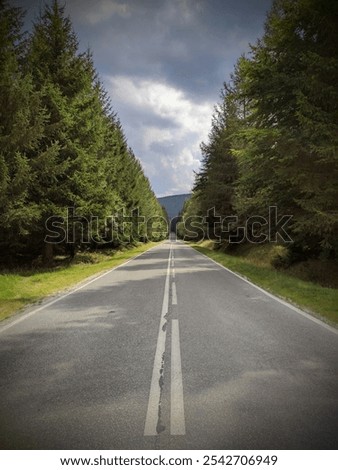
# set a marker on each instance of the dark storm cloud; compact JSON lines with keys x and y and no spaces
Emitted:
{"x":193,"y":44}
{"x":163,"y":63}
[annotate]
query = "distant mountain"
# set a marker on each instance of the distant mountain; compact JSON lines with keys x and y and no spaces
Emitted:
{"x":173,"y":204}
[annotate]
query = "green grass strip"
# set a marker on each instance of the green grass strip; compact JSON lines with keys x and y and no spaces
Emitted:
{"x":21,"y":288}
{"x":320,"y":301}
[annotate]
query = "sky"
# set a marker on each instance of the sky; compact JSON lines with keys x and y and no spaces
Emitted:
{"x":163,"y":64}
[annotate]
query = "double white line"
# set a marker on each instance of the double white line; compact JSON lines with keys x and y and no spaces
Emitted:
{"x":153,"y":424}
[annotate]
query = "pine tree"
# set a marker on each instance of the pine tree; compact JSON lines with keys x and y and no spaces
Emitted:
{"x":22,"y":120}
{"x":63,"y":149}
{"x":76,"y":130}
{"x":287,"y":156}
{"x":215,"y":183}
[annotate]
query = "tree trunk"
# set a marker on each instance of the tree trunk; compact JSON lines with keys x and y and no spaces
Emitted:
{"x":48,"y":254}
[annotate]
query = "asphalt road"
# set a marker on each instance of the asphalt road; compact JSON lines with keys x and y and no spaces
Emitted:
{"x":169,"y":351}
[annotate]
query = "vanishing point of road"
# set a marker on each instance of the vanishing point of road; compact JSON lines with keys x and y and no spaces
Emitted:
{"x":168,"y":351}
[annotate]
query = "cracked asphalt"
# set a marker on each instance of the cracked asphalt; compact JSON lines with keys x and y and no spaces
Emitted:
{"x":254,"y":373}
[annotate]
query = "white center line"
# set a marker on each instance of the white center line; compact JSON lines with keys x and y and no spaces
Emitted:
{"x":174,"y":294}
{"x":177,"y":420}
{"x":150,"y":428}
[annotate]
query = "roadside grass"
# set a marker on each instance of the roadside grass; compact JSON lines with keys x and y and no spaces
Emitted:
{"x":20,"y":288}
{"x":320,"y":301}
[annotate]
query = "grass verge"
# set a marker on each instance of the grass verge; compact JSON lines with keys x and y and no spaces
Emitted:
{"x":320,"y":301}
{"x":23,"y":287}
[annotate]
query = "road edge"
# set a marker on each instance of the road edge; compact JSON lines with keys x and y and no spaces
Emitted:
{"x":32,"y":309}
{"x":282,"y":301}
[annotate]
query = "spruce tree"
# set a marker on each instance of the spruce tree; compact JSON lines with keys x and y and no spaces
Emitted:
{"x":75,"y":176}
{"x":22,"y":119}
{"x":287,"y":156}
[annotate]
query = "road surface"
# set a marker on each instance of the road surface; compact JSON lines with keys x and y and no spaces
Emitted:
{"x":168,"y":351}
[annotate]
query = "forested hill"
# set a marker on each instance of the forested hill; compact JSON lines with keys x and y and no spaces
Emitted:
{"x":173,"y":204}
{"x":62,"y":148}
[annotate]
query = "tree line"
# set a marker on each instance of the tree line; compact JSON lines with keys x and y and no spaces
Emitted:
{"x":274,"y":135}
{"x":61,"y":145}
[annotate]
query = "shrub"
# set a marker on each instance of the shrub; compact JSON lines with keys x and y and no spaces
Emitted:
{"x":280,"y":257}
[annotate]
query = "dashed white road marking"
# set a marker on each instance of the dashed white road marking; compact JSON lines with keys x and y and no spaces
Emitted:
{"x":177,"y":419}
{"x":173,"y":294}
{"x":150,"y":428}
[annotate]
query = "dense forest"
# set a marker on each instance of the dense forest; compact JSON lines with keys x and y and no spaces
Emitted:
{"x":63,"y":154}
{"x":273,"y":140}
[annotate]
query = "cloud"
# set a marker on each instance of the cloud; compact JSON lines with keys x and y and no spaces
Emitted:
{"x":191,"y":44}
{"x":97,"y":12}
{"x":163,"y":100}
{"x":170,"y":152}
{"x":163,"y":63}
